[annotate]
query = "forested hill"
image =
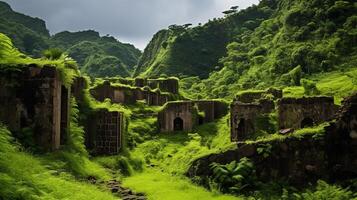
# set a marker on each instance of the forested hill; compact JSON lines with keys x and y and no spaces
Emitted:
{"x":182,"y":50}
{"x":98,"y":56}
{"x":275,"y":43}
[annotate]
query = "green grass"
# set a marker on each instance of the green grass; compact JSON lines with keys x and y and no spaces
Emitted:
{"x":24,"y":176}
{"x":161,"y":186}
{"x":338,"y":84}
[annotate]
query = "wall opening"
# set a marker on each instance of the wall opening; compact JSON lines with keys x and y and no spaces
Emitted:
{"x":241,"y":126}
{"x":307,"y":122}
{"x":178,"y":124}
{"x":200,"y":120}
{"x":64,"y":114}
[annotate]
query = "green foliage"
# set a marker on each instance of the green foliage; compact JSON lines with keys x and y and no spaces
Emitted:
{"x":309,"y":87}
{"x":183,"y":51}
{"x":53,"y":54}
{"x":23,"y":176}
{"x":162,"y":186}
{"x":234,"y":177}
{"x":295,"y":75}
{"x":325,"y":191}
{"x":301,"y":39}
{"x":104,"y":66}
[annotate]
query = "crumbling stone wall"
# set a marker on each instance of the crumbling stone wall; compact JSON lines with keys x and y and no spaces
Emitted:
{"x":297,"y":113}
{"x":297,"y":160}
{"x":244,"y":116}
{"x":170,"y":85}
{"x":177,"y":116}
{"x":79,"y":84}
{"x":255,"y":95}
{"x":35,"y":99}
{"x":104,"y":132}
{"x":212,"y":109}
{"x":187,"y":111}
{"x":342,"y":141}
{"x":129,"y":95}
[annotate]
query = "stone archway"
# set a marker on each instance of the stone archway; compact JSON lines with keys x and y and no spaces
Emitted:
{"x":307,"y":122}
{"x":178,"y":124}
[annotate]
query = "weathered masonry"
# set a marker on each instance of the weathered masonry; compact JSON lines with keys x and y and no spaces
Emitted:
{"x":248,"y":108}
{"x":184,"y":115}
{"x":35,"y":100}
{"x":296,"y":113}
{"x":330,"y":155}
{"x":170,"y":85}
{"x":129,"y":95}
{"x":244,"y":117}
{"x":104,"y":132}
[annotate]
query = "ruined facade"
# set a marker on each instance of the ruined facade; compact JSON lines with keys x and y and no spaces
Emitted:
{"x":177,"y":116}
{"x":104,"y":132}
{"x":170,"y":85}
{"x":303,"y":112}
{"x":244,"y":117}
{"x":184,"y":115}
{"x":129,"y":95}
{"x":36,"y":100}
{"x":330,"y":156}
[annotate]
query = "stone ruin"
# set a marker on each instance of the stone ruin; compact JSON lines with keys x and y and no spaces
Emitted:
{"x":104,"y":132}
{"x":184,"y":115}
{"x":293,"y":113}
{"x":170,"y":85}
{"x":129,"y":95}
{"x":247,"y":108}
{"x":331,"y":156}
{"x":244,"y":117}
{"x":35,"y":99}
{"x":297,"y":113}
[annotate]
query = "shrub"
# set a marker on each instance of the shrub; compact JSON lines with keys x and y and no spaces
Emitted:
{"x":309,"y":87}
{"x":234,"y":177}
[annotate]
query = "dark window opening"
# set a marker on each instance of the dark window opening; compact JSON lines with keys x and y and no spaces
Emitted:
{"x":178,"y":124}
{"x":307,"y":122}
{"x":200,"y":120}
{"x":241,"y":126}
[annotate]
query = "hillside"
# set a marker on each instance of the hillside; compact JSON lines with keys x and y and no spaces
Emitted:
{"x":301,"y":40}
{"x":31,"y":36}
{"x":185,"y":51}
{"x":275,"y":43}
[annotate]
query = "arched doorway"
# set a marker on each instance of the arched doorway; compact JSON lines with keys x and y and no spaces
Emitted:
{"x":307,"y":122}
{"x":178,"y":124}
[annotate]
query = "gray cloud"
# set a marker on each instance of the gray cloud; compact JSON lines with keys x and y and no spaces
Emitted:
{"x":133,"y":21}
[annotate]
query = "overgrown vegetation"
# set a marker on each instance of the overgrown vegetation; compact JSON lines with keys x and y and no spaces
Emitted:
{"x":88,"y":48}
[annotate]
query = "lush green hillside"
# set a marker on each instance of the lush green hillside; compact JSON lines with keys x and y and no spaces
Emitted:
{"x":301,"y":39}
{"x":184,"y":51}
{"x":31,"y":36}
{"x":80,"y":45}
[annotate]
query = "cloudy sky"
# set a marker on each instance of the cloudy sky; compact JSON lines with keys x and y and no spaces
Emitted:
{"x":132,"y":21}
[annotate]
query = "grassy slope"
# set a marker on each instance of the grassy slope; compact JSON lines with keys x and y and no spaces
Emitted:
{"x":161,"y":186}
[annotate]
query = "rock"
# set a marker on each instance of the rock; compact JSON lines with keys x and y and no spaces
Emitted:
{"x":286,"y":131}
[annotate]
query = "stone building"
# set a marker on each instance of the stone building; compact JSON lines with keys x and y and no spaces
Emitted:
{"x":184,"y":115}
{"x":104,"y":132}
{"x":296,"y":113}
{"x":170,"y":85}
{"x":331,"y":156}
{"x":178,"y":116}
{"x":129,"y":95}
{"x":36,"y":100}
{"x":244,"y":116}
